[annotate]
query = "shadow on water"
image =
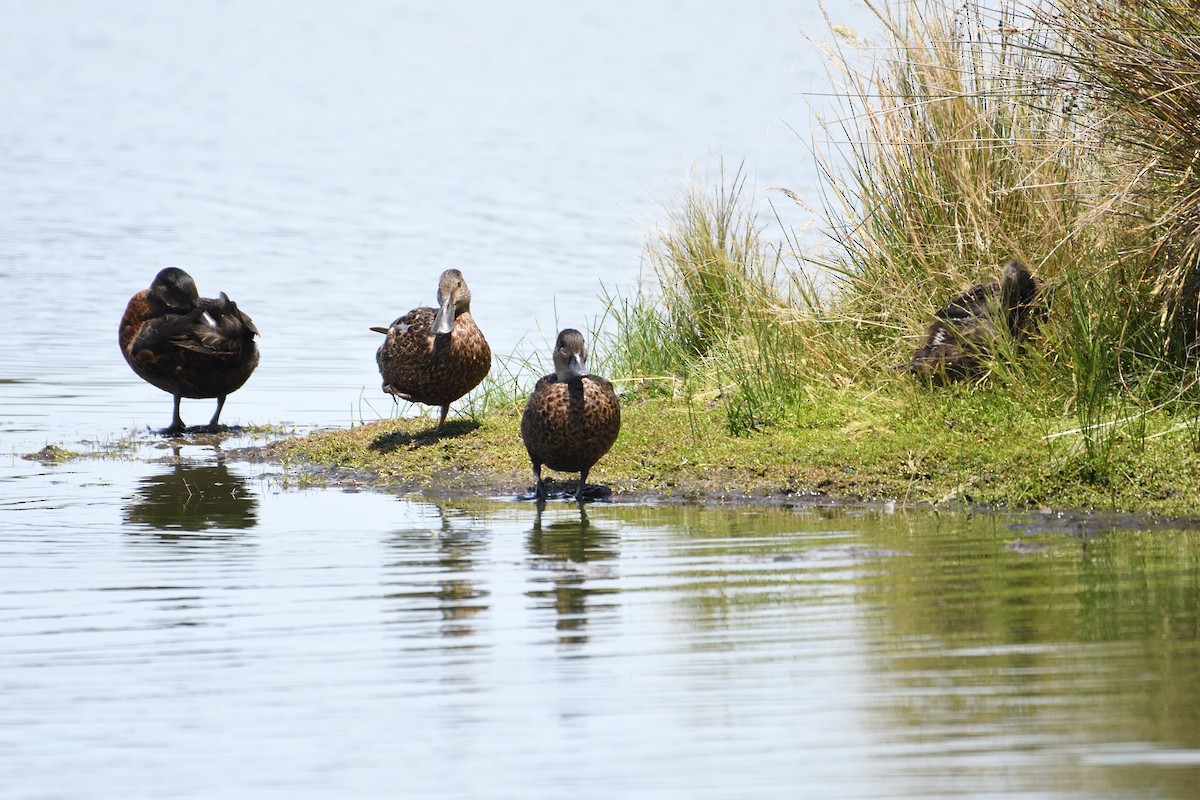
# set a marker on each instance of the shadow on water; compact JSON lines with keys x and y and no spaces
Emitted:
{"x":405,"y":440}
{"x":192,"y":498}
{"x":576,"y":554}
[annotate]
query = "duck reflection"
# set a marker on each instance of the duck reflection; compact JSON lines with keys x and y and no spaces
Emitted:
{"x":442,"y":561}
{"x":192,"y":497}
{"x":574,"y":551}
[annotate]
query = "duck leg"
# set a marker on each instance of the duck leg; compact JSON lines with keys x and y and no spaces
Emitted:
{"x":176,"y":425}
{"x":582,"y":484}
{"x":212,"y":424}
{"x":539,"y":487}
{"x":442,"y":421}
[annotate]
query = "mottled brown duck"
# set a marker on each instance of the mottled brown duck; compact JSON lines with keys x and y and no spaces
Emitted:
{"x":965,"y":330}
{"x":188,"y":345}
{"x":572,"y":418}
{"x":435,"y":356}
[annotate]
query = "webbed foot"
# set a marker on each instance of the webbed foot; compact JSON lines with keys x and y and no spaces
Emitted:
{"x":391,"y":389}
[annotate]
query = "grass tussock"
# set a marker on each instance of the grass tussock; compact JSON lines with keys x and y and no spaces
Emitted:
{"x":1137,"y":63}
{"x":972,"y":133}
{"x":959,"y":151}
{"x":714,"y":272}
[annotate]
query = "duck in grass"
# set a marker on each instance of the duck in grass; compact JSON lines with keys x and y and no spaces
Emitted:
{"x":188,"y":345}
{"x":435,"y":355}
{"x":964,"y":331}
{"x":572,"y":418}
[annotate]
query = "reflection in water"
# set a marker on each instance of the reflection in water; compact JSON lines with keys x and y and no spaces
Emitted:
{"x":434,"y":571}
{"x":1004,"y":638}
{"x":193,"y":497}
{"x":750,"y":651}
{"x":574,"y":551}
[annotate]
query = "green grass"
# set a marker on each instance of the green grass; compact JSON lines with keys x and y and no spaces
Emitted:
{"x":53,"y":454}
{"x":966,"y":137}
{"x":961,"y":447}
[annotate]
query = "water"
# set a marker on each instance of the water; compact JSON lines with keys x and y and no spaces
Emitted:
{"x":323,"y":166}
{"x":204,"y":631}
{"x":177,"y":624}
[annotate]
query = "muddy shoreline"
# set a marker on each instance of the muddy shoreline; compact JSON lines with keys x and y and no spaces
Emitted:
{"x":458,"y":483}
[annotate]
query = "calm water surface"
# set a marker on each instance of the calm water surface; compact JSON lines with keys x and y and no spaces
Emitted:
{"x":203,"y":631}
{"x":323,"y":165}
{"x":173,"y":625}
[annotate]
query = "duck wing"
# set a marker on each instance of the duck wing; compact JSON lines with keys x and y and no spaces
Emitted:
{"x":222,"y":307}
{"x":161,"y":334}
{"x":219,"y":329}
{"x":416,"y":323}
{"x":408,"y":337}
{"x":977,"y":302}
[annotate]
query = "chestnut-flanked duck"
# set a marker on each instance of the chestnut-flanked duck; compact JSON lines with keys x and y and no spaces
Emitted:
{"x":572,"y":418}
{"x":965,"y":330}
{"x":435,"y":355}
{"x":188,"y":345}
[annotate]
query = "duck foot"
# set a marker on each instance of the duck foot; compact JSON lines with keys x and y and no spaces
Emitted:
{"x":590,"y":493}
{"x":177,"y":431}
{"x":395,"y":392}
{"x":551,"y":490}
{"x":567,"y":490}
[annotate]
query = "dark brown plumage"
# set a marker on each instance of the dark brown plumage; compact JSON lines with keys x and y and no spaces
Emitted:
{"x":964,"y":331}
{"x":435,"y":356}
{"x":187,"y":345}
{"x":572,"y":418}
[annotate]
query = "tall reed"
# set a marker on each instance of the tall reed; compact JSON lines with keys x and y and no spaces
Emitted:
{"x":960,"y":150}
{"x":713,"y":272}
{"x":1137,"y":62}
{"x":972,"y":133}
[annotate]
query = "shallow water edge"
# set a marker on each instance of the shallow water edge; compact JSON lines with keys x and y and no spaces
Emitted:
{"x":671,"y":453}
{"x":190,"y":601}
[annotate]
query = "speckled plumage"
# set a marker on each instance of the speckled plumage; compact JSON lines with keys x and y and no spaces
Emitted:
{"x":436,"y":369}
{"x":187,"y":345}
{"x":572,"y":418}
{"x":964,"y":331}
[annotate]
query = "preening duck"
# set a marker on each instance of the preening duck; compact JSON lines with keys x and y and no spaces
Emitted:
{"x":188,"y":345}
{"x":965,"y":330}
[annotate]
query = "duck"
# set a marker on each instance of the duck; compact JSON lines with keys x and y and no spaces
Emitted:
{"x":434,"y":356}
{"x":188,"y":345}
{"x":572,"y":417}
{"x":964,"y":331}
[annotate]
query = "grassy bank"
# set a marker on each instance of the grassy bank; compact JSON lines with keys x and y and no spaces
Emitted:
{"x":1051,"y":132}
{"x":956,"y":448}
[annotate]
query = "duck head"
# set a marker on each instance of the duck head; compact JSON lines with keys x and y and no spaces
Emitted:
{"x":175,"y":290}
{"x":453,"y":298}
{"x":570,"y":355}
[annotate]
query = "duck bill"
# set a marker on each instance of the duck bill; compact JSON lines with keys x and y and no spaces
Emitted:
{"x":576,"y":365}
{"x":443,"y":320}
